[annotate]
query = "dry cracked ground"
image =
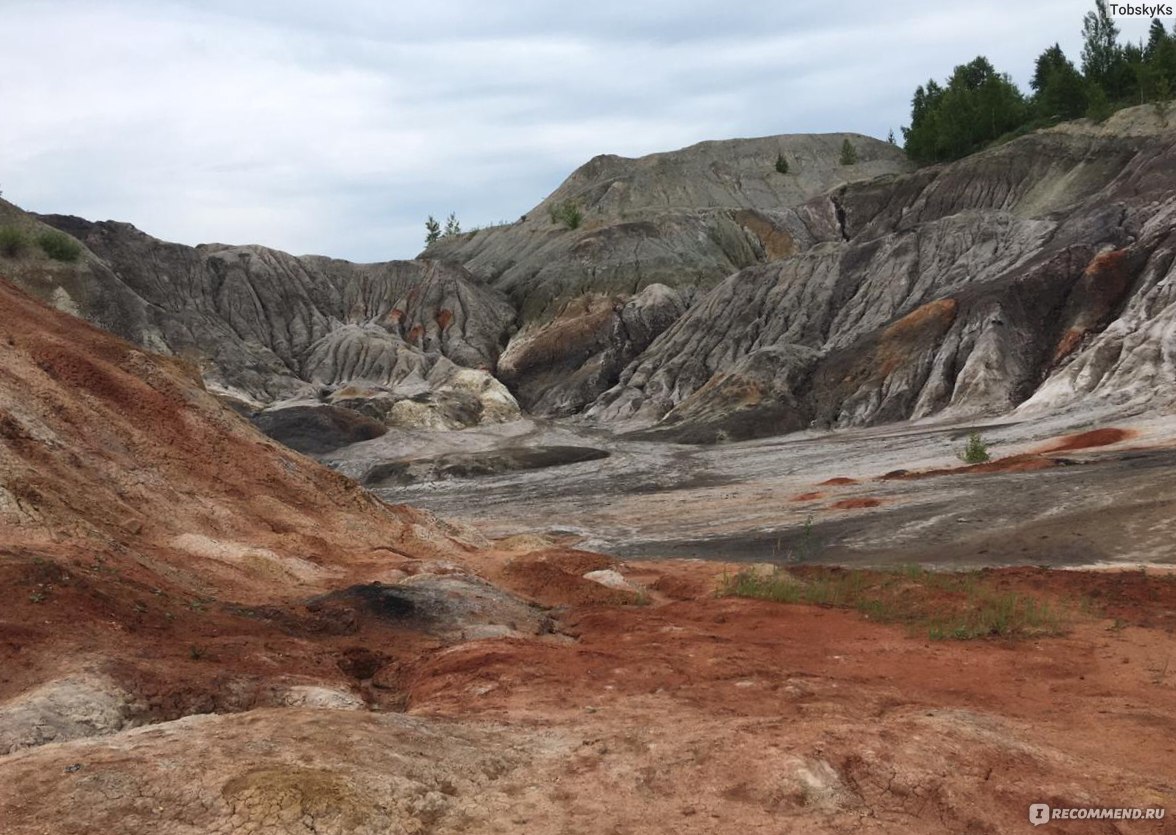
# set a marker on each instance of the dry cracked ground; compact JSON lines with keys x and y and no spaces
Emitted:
{"x":203,"y":632}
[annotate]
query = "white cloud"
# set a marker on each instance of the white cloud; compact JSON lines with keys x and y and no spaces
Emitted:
{"x":337,"y":127}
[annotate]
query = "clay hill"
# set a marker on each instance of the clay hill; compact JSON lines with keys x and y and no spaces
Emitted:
{"x":699,"y":294}
{"x":201,"y":631}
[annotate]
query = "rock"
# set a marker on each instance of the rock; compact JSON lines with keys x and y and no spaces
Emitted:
{"x":560,"y":366}
{"x":611,"y":578}
{"x":58,"y":711}
{"x":317,"y":429}
{"x":451,"y":606}
{"x":314,"y":696}
{"x":475,"y":464}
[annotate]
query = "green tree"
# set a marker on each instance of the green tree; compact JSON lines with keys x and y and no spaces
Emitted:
{"x":1060,"y":90}
{"x":890,"y":137}
{"x":781,"y":164}
{"x":1098,"y":106}
{"x":452,"y":227}
{"x":1156,"y":35}
{"x":1047,"y":62}
{"x":432,"y":230}
{"x":976,"y":106}
{"x":848,"y":153}
{"x":1102,"y":57}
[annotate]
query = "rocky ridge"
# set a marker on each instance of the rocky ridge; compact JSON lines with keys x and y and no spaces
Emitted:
{"x":703,"y":295}
{"x":1034,"y":276}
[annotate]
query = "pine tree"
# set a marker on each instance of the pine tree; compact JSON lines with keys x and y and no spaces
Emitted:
{"x":848,"y":153}
{"x":432,"y":230}
{"x":1102,"y":56}
{"x":890,"y":137}
{"x":781,"y":164}
{"x":1061,"y":92}
{"x":452,"y":227}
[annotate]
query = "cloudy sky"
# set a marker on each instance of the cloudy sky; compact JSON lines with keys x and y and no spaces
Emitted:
{"x":336,"y":127}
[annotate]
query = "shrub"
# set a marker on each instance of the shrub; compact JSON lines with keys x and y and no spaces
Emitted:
{"x":975,"y":450}
{"x":13,"y":241}
{"x":781,"y":164}
{"x":59,"y":246}
{"x":848,"y":153}
{"x":567,"y":213}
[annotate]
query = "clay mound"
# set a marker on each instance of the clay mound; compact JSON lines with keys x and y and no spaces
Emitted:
{"x":153,"y":539}
{"x":838,"y":481}
{"x":555,"y":577}
{"x":105,"y":445}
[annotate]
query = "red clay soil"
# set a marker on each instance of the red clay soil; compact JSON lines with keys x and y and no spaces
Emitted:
{"x":856,"y":504}
{"x":840,"y":480}
{"x":151,"y":536}
{"x":1088,"y":440}
{"x":807,"y":497}
{"x":708,"y":700}
{"x":1026,"y":462}
{"x":135,"y":509}
{"x":555,"y":578}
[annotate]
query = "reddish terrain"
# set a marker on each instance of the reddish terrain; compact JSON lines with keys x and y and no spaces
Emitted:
{"x":376,"y":670}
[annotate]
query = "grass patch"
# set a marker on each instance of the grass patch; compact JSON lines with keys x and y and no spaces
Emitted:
{"x":13,"y":241}
{"x":946,"y":606}
{"x":567,"y":214}
{"x":59,"y":246}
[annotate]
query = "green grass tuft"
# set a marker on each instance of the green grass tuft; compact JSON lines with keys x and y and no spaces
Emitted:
{"x":948,"y":606}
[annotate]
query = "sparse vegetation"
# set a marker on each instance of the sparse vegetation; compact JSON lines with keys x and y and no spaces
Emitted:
{"x":567,"y":214}
{"x":781,"y":164}
{"x":59,"y":246}
{"x":13,"y":241}
{"x":432,"y":230}
{"x":452,"y":227}
{"x":949,"y":606}
{"x":975,"y":450}
{"x":848,"y":153}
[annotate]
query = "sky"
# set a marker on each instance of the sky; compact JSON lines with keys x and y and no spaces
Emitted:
{"x":336,"y":128}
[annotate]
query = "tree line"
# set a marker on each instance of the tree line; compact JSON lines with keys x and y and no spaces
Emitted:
{"x":977,"y":105}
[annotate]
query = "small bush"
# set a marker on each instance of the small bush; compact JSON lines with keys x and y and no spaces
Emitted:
{"x":59,"y":246}
{"x":13,"y":242}
{"x":848,"y":153}
{"x":975,"y":451}
{"x":567,"y":214}
{"x":781,"y":164}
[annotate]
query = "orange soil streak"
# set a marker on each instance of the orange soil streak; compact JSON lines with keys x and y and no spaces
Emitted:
{"x":1088,"y":440}
{"x":856,"y":504}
